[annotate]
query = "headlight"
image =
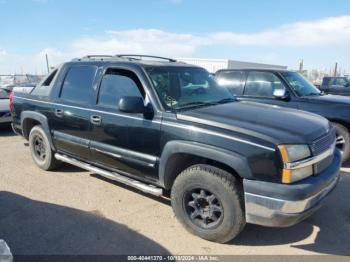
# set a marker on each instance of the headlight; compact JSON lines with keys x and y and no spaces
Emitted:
{"x":293,"y":153}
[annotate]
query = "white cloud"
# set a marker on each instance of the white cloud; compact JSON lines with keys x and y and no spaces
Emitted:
{"x":149,"y":41}
{"x":326,"y":33}
{"x":3,"y":52}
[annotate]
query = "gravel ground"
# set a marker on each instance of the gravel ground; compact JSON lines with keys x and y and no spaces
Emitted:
{"x":71,"y":211}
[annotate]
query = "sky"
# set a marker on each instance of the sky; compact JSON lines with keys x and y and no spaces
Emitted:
{"x":266,"y":31}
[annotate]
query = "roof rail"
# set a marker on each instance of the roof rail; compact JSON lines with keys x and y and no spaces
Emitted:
{"x":92,"y":57}
{"x":133,"y":56}
{"x":97,"y":56}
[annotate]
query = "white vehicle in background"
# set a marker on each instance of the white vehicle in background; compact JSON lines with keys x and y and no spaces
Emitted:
{"x":5,"y":92}
{"x":5,"y":114}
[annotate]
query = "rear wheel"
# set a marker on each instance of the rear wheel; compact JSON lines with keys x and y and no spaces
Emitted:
{"x":208,"y":201}
{"x":40,"y":149}
{"x":343,"y":141}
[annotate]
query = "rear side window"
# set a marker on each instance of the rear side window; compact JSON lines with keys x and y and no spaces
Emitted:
{"x":44,"y":88}
{"x":77,"y":86}
{"x":262,"y":84}
{"x":117,"y":84}
{"x":231,"y":80}
{"x":339,"y":82}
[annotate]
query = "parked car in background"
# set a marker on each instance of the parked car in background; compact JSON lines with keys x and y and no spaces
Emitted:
{"x":336,"y":85}
{"x":167,"y":128}
{"x":290,"y":89}
{"x":5,"y":115}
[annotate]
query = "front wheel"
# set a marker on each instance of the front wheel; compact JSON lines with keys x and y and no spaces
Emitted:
{"x":208,"y":201}
{"x":40,"y":149}
{"x":343,"y":141}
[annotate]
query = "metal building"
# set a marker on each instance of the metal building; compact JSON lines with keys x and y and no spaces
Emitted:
{"x":213,"y":65}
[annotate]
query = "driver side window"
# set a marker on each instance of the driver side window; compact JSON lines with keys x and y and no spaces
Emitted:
{"x":116,"y":84}
{"x":262,"y":84}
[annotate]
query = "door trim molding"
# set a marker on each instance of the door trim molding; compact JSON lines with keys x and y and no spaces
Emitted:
{"x":124,"y":154}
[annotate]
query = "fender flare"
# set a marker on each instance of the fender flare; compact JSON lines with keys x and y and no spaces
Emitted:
{"x":342,"y":122}
{"x":42,"y":119}
{"x":232,"y":159}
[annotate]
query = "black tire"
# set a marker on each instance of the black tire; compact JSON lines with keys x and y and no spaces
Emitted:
{"x":41,"y":151}
{"x":343,"y":141}
{"x":187,"y":199}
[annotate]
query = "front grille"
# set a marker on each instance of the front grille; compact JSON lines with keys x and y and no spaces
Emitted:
{"x":323,"y":143}
{"x":319,"y":146}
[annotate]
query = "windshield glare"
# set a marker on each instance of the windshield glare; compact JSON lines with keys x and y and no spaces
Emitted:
{"x":300,"y":85}
{"x":186,"y":87}
{"x":4,"y":94}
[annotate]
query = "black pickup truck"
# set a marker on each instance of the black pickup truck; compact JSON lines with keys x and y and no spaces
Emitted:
{"x":168,"y":129}
{"x":290,"y":89}
{"x":336,"y":85}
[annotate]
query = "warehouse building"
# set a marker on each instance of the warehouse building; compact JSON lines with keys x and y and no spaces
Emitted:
{"x":213,"y":65}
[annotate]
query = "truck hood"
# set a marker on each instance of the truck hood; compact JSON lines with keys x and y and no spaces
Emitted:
{"x":4,"y":105}
{"x":344,"y":100}
{"x":266,"y":122}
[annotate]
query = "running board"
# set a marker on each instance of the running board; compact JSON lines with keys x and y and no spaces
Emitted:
{"x":150,"y":189}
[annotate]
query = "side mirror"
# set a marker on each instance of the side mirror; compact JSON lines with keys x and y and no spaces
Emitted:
{"x":135,"y":105}
{"x":280,"y":94}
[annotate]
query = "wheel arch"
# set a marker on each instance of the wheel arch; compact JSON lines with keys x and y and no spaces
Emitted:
{"x":341,"y":122}
{"x":29,"y":119}
{"x":179,"y":155}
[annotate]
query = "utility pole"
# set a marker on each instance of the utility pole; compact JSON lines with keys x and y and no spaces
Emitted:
{"x":301,"y":65}
{"x":47,"y":64}
{"x":336,"y":69}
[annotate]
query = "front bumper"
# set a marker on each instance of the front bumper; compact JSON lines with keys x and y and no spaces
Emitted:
{"x":280,"y":205}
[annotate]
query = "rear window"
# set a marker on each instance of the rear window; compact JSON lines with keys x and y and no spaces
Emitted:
{"x":44,"y":88}
{"x":77,"y":85}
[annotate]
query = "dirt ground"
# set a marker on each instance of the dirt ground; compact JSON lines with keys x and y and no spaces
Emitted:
{"x":71,"y":211}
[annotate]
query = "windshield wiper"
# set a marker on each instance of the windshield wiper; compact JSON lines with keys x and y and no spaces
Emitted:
{"x":200,"y":104}
{"x":224,"y":101}
{"x":313,"y":94}
{"x":194,"y":105}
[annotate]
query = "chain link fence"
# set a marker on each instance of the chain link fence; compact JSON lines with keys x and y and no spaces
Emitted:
{"x":19,"y":79}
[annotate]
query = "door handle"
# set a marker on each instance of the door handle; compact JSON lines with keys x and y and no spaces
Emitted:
{"x":96,"y":120}
{"x":59,"y":112}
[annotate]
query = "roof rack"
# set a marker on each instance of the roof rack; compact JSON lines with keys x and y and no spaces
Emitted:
{"x":139,"y":57}
{"x":93,"y":57}
{"x":97,"y":56}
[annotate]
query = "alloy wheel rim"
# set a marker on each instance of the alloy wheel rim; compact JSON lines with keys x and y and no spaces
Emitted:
{"x":340,"y":142}
{"x":203,"y":208}
{"x":39,"y":147}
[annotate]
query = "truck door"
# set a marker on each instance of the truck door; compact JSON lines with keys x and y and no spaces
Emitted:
{"x":70,"y":121}
{"x":125,"y":142}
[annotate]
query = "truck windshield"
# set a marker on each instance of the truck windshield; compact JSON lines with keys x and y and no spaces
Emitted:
{"x":300,"y":85}
{"x":187,"y":87}
{"x":4,"y":94}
